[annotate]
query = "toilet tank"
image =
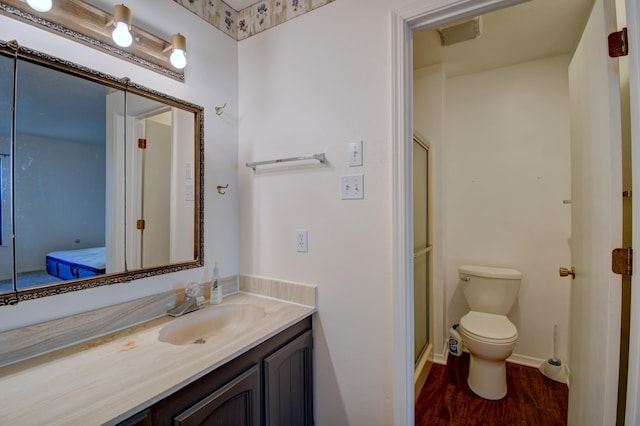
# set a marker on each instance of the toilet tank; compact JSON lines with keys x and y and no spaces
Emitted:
{"x":490,"y":289}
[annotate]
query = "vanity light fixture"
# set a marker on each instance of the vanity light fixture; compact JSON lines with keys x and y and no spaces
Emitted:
{"x":122,"y":23}
{"x":178,"y":49}
{"x":40,"y":5}
{"x":112,"y":32}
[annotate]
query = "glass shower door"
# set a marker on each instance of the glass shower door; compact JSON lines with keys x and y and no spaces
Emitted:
{"x":421,"y":247}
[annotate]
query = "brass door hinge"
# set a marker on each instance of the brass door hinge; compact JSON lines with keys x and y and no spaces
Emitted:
{"x":622,"y":261}
{"x":618,"y":44}
{"x":140,"y":224}
{"x":142,"y":143}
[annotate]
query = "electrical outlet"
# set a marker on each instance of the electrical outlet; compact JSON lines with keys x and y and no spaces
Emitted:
{"x":355,"y":154}
{"x":302,"y":241}
{"x":352,"y":187}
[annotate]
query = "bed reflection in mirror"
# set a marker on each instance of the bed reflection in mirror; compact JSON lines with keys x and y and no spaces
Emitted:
{"x":101,"y":180}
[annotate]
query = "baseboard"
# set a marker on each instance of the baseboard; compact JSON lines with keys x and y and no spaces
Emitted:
{"x":527,"y":361}
{"x":441,"y":358}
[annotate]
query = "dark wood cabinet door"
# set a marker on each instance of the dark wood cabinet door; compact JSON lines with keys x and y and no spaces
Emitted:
{"x":235,"y":404}
{"x":143,"y":418}
{"x":288,"y":379}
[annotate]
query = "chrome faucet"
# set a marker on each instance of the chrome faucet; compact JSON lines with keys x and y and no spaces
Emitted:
{"x":192,"y":301}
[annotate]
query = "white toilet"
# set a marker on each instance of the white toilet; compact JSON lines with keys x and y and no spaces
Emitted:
{"x":486,"y":331}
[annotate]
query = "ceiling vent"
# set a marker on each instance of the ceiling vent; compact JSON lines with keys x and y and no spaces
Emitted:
{"x":462,"y":31}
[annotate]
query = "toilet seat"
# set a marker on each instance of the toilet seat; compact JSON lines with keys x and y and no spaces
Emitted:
{"x":489,"y":328}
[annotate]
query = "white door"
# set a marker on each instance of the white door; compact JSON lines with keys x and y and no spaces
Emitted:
{"x":156,"y":198}
{"x":596,"y":223}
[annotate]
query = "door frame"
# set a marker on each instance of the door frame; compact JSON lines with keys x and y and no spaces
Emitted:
{"x":632,"y":414}
{"x":425,"y":14}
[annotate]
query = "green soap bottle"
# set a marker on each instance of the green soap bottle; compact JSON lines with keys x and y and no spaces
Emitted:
{"x":216,"y":293}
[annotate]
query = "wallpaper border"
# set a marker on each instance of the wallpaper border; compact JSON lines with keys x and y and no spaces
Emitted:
{"x":253,"y":19}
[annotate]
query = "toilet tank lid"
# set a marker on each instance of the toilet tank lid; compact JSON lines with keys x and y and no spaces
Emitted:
{"x":490,"y":272}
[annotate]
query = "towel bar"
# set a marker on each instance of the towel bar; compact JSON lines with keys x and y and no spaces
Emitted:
{"x":320,"y":157}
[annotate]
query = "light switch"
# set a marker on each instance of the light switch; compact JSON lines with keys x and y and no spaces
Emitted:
{"x":352,"y":187}
{"x":355,"y":154}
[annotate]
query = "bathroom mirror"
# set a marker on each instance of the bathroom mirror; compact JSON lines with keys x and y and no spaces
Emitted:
{"x":6,"y":126}
{"x":101,"y":178}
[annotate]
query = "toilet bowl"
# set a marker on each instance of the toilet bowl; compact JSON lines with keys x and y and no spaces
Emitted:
{"x":490,"y":340}
{"x":485,"y":330}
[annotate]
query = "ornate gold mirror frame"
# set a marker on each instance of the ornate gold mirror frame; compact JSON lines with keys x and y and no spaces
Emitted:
{"x":125,"y":85}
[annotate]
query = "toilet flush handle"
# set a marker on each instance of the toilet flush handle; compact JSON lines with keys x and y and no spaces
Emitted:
{"x":564,"y":272}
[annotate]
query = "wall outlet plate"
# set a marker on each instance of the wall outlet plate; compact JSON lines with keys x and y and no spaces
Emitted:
{"x":302,"y":241}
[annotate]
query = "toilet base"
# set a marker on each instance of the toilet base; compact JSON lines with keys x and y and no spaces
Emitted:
{"x":487,"y":379}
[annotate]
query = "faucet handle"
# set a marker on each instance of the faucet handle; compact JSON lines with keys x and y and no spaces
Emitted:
{"x":192,"y":289}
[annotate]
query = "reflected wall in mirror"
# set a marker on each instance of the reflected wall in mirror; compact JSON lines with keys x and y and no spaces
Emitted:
{"x":102,"y":180}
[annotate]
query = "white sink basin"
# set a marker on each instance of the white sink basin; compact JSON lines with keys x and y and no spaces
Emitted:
{"x":211,"y":323}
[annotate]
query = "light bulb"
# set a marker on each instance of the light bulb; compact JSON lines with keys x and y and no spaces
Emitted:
{"x":121,"y":35}
{"x":40,"y":5}
{"x":178,"y":58}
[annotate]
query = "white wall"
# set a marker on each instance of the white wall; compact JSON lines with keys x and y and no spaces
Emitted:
{"x":506,"y":173}
{"x":314,"y":84}
{"x":211,"y":80}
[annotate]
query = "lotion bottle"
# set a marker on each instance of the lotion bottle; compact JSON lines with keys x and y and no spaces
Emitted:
{"x":216,"y":293}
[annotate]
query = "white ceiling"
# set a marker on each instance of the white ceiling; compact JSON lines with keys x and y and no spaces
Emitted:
{"x":529,"y":31}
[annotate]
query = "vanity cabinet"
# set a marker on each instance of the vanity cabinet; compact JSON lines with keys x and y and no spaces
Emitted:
{"x":288,"y":399}
{"x":270,"y":384}
{"x":236,"y":403}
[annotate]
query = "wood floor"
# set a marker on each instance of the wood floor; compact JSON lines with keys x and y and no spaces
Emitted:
{"x":532,"y":399}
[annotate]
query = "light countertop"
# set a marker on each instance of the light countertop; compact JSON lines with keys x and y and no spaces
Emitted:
{"x":108,"y":379}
